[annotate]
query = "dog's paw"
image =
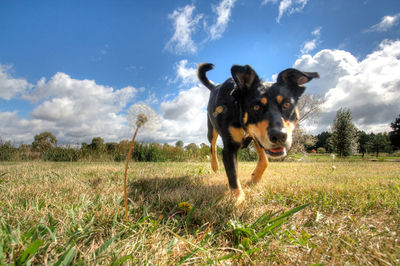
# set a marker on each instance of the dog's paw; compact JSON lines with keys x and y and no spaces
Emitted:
{"x":214,"y":165}
{"x":238,"y":196}
{"x":255,"y":178}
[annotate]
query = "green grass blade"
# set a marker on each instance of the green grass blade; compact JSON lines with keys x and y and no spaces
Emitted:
{"x":289,"y":213}
{"x":225,"y":257}
{"x":265,"y":217}
{"x":103,"y":247}
{"x":187,"y":256}
{"x":190,"y":216}
{"x":67,"y":257}
{"x":30,"y":251}
{"x":270,"y":225}
{"x":122,"y":260}
{"x":269,"y":229}
{"x":246,"y":232}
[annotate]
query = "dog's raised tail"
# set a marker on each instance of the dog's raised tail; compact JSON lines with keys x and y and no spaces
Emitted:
{"x":201,"y":74}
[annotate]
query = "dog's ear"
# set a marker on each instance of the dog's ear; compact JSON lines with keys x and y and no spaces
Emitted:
{"x":294,"y":78}
{"x":245,"y":77}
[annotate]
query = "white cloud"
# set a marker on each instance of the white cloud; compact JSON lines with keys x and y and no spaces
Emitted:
{"x":386,"y":23}
{"x":185,"y":74}
{"x":290,"y":7}
{"x":223,"y":11}
{"x":185,"y":116}
{"x":369,"y":87}
{"x":311,"y":45}
{"x":184,"y":25}
{"x":74,"y":110}
{"x":11,"y":87}
{"x":264,"y":2}
{"x":18,"y":130}
{"x":186,"y":105}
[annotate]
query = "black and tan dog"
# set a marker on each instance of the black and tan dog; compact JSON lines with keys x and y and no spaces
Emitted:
{"x":245,"y":109}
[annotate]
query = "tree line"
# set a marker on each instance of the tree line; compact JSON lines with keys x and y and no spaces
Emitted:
{"x":344,"y":139}
{"x":45,"y":147}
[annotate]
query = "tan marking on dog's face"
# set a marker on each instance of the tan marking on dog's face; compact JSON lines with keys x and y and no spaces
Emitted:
{"x":259,"y":131}
{"x":245,"y":118}
{"x":218,"y":110}
{"x":296,"y":111}
{"x":263,"y":101}
{"x":288,"y":125}
{"x":237,"y":134}
{"x":279,"y":99}
{"x":289,"y":130}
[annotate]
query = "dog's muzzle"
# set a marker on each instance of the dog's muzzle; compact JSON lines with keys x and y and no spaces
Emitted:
{"x":275,"y":151}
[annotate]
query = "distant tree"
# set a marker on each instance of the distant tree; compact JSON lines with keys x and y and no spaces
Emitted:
{"x":44,"y":141}
{"x":344,"y":135}
{"x":394,"y":135}
{"x":97,"y":144}
{"x":302,"y":142}
{"x":322,"y":140}
{"x":6,"y":150}
{"x":192,"y":147}
{"x":203,"y":146}
{"x":363,"y":142}
{"x":378,"y":143}
{"x":84,"y":146}
{"x":179,"y":144}
{"x":123,"y":146}
{"x":309,"y":107}
{"x":309,"y":142}
{"x":111,"y":147}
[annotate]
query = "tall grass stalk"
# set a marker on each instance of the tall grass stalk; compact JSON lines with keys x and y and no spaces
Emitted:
{"x":126,"y":173}
{"x":141,"y":119}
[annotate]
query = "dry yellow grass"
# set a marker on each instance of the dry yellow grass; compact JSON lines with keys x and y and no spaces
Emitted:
{"x":354,"y":216}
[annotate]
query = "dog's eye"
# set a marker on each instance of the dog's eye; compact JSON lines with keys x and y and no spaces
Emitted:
{"x":256,"y":107}
{"x":286,"y":105}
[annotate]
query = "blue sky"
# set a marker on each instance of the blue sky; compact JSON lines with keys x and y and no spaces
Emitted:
{"x":75,"y":67}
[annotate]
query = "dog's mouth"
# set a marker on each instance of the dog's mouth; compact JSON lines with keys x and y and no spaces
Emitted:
{"x":274,"y":152}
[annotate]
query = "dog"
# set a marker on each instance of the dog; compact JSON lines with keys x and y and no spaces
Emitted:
{"x":245,"y":109}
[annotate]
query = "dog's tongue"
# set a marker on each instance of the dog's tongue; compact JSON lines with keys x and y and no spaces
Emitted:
{"x":276,"y":150}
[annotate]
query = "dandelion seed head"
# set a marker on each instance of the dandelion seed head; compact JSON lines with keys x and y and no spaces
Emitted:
{"x":141,"y":119}
{"x":142,"y":115}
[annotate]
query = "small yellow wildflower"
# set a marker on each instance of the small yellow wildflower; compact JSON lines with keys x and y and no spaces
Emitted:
{"x":185,"y":206}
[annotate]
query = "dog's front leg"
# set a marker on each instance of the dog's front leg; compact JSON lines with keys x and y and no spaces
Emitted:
{"x":261,"y":164}
{"x":229,"y":157}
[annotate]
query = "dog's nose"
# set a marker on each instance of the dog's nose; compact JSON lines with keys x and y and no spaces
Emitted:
{"x":277,"y":135}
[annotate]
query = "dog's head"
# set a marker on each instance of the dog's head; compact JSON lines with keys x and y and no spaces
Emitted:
{"x":268,"y":111}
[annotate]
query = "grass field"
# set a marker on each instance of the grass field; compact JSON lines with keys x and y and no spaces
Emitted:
{"x":182,"y":213}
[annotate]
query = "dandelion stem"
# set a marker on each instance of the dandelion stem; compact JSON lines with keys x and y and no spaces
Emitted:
{"x":126,"y":172}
